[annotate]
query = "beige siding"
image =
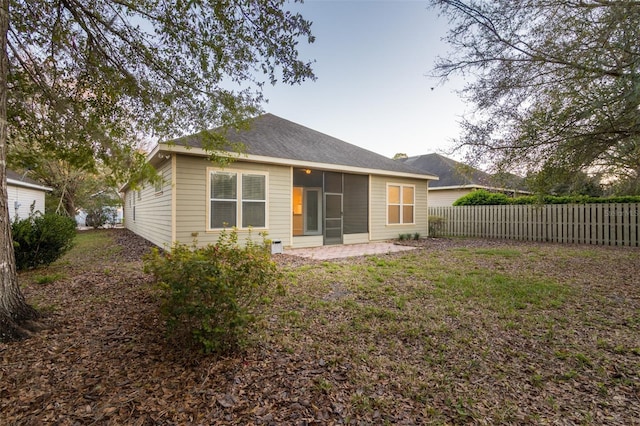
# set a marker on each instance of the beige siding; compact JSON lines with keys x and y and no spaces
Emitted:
{"x":192,"y":200}
{"x":445,"y":197}
{"x":152,"y":210}
{"x":378,"y":213}
{"x":355,"y":238}
{"x":180,"y":211}
{"x":308,"y":241}
{"x":24,"y":198}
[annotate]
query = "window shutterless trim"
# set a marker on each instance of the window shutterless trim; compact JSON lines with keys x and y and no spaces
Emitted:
{"x":401,"y":204}
{"x":238,"y":200}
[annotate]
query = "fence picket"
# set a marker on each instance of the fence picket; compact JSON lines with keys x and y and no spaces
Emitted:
{"x":620,"y":222}
{"x":592,"y":221}
{"x":602,"y":224}
{"x":581,"y":225}
{"x":607,"y":225}
{"x":633,"y":224}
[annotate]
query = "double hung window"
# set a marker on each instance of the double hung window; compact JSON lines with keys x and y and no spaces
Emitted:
{"x":237,"y":199}
{"x":400,"y":204}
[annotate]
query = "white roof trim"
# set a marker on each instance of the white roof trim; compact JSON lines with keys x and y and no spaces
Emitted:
{"x":23,"y":184}
{"x":286,"y":162}
{"x":472,"y":186}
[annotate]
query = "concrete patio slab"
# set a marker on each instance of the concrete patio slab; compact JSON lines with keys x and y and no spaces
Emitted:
{"x":341,"y":251}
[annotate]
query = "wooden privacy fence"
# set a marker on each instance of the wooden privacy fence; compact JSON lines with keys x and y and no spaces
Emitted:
{"x":602,"y":224}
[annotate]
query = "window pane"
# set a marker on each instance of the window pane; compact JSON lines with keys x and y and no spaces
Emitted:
{"x":254,"y":187}
{"x":297,"y":200}
{"x":224,"y":186}
{"x":393,"y":196}
{"x":313,"y":221}
{"x":407,"y":214}
{"x":223,"y":214}
{"x":407,"y":195}
{"x":253,"y":214}
{"x":394,"y":214}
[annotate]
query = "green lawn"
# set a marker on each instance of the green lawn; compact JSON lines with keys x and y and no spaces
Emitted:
{"x":520,"y":333}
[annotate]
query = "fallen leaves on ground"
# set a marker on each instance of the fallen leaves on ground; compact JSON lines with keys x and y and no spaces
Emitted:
{"x":103,"y":357}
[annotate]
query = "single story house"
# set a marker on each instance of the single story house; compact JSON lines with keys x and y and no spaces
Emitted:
{"x":23,"y":193}
{"x":458,"y":179}
{"x":303,"y":187}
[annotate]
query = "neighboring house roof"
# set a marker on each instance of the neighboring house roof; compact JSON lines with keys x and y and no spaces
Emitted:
{"x":16,"y":179}
{"x":454,"y":174}
{"x":272,"y":139}
{"x":450,"y":172}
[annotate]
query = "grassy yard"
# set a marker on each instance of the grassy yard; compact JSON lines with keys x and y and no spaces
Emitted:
{"x":468,"y":332}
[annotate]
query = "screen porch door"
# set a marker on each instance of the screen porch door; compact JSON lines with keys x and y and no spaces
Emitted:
{"x":332,"y":218}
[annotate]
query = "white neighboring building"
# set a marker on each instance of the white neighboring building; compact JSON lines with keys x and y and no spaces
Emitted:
{"x":23,"y":193}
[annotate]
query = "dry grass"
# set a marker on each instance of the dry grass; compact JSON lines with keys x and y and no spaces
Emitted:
{"x":508,"y":333}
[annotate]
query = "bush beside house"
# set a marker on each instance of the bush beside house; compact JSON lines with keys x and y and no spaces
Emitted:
{"x":210,"y":295}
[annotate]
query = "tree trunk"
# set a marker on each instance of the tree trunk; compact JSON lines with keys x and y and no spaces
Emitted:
{"x":70,"y":205}
{"x":15,"y":314}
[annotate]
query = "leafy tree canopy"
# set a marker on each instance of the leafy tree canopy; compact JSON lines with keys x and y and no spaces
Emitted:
{"x":556,"y":83}
{"x":74,"y":183}
{"x":84,"y":82}
{"x":88,"y":80}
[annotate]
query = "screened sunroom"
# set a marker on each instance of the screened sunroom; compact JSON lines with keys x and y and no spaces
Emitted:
{"x":329,"y":205}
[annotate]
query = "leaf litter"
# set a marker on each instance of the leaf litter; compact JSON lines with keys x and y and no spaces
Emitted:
{"x":338,"y":350}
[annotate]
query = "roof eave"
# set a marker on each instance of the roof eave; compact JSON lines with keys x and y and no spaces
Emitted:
{"x":28,"y":185}
{"x":154,"y":157}
{"x":472,"y":186}
{"x":199,"y":152}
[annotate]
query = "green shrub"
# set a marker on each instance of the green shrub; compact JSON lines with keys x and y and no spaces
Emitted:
{"x":436,"y":225}
{"x":101,"y":215}
{"x":573,"y":199}
{"x":210,"y":295}
{"x":96,"y":217}
{"x":482,"y":197}
{"x":41,"y":239}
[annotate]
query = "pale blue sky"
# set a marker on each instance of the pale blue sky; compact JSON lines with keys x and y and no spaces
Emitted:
{"x":372,"y":62}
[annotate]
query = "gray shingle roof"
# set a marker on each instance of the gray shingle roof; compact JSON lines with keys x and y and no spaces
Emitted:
{"x":455,"y":173}
{"x":17,"y":177}
{"x":450,"y":172}
{"x":272,"y":136}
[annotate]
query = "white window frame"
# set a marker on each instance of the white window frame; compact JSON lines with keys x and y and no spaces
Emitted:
{"x":239,"y":200}
{"x":133,"y":205}
{"x":401,"y":204}
{"x":158,"y":187}
{"x":305,"y":210}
